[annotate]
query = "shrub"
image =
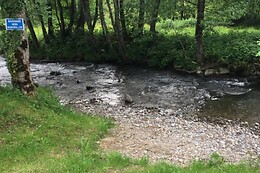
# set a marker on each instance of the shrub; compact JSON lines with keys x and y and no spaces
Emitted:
{"x":168,"y":48}
{"x":169,"y":24}
{"x":233,"y":48}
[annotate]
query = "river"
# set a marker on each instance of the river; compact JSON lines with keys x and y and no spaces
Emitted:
{"x":216,"y":99}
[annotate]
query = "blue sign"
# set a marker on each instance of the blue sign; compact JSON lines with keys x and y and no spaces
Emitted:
{"x":14,"y":24}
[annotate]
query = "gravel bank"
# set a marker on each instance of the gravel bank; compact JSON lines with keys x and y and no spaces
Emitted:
{"x":162,"y":135}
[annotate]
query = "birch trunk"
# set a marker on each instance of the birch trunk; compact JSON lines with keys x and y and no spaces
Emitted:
{"x":19,"y":67}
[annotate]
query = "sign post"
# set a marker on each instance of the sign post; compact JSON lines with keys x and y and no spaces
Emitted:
{"x":14,"y":24}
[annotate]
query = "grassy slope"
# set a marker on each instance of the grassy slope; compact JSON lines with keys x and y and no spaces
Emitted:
{"x":40,"y":135}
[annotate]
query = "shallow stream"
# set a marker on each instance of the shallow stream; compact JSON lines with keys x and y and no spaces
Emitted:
{"x":210,"y":99}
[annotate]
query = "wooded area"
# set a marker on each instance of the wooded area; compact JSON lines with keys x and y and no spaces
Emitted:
{"x":164,"y":121}
{"x":180,"y":34}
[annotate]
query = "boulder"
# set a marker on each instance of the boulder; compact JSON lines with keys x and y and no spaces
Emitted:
{"x":128,"y":99}
{"x":199,"y":72}
{"x":223,"y":71}
{"x":55,"y":73}
{"x":89,"y":88}
{"x":210,"y":72}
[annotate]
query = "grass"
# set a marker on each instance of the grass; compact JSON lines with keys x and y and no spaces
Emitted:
{"x":188,"y":27}
{"x":40,"y":135}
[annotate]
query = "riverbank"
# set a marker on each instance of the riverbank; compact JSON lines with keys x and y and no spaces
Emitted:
{"x":161,"y":121}
{"x":40,"y":135}
{"x":227,"y":50}
{"x":161,"y":135}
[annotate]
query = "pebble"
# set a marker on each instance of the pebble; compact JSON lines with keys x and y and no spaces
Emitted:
{"x":173,"y":139}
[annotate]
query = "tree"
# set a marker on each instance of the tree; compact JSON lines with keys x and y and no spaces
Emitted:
{"x":199,"y":31}
{"x":72,"y":12}
{"x":115,"y":20}
{"x":81,"y":18}
{"x":17,"y":49}
{"x":50,"y":21}
{"x":122,"y":19}
{"x":155,"y":13}
{"x":103,"y":24}
{"x":141,"y":17}
{"x":60,"y":17}
{"x":31,"y":28}
{"x":91,"y":21}
{"x":37,"y":6}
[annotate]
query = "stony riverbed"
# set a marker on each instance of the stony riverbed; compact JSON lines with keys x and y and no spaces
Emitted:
{"x":173,"y":117}
{"x":160,"y":134}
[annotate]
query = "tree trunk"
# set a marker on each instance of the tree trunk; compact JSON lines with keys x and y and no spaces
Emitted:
{"x":95,"y":16}
{"x":30,"y":27}
{"x":103,"y":23}
{"x":141,"y":17}
{"x":19,"y":67}
{"x":40,"y":17}
{"x":56,"y":13}
{"x":61,"y":17}
{"x":44,"y":31}
{"x":88,"y":15}
{"x":72,"y":16}
{"x":90,"y":23}
{"x":110,"y":14}
{"x":22,"y":78}
{"x":182,"y":9}
{"x":17,"y":54}
{"x":50,"y":21}
{"x":174,"y":9}
{"x":199,"y":31}
{"x":118,"y":32}
{"x":81,"y":19}
{"x":121,"y":49}
{"x":154,"y":16}
{"x":122,"y":19}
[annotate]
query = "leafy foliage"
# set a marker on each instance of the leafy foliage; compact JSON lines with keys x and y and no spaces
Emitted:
{"x":237,"y":49}
{"x":258,"y":54}
{"x":234,"y":48}
{"x":172,"y":46}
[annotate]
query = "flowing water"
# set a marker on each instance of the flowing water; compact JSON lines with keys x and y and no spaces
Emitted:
{"x":212,"y":99}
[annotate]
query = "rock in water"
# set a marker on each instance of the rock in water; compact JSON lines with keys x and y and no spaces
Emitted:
{"x":89,"y":88}
{"x":128,"y":99}
{"x":223,"y":71}
{"x":210,"y":72}
{"x":55,"y":73}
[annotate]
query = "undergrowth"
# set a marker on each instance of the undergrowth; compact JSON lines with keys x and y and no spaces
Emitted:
{"x":172,"y":47}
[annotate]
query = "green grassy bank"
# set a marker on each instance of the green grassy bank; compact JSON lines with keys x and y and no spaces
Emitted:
{"x":40,"y":135}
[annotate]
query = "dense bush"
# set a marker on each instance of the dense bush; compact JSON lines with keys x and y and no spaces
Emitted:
{"x":74,"y":48}
{"x":230,"y":49}
{"x":258,"y":53}
{"x":163,"y":50}
{"x":169,"y":24}
{"x":237,"y":49}
{"x":234,"y":49}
